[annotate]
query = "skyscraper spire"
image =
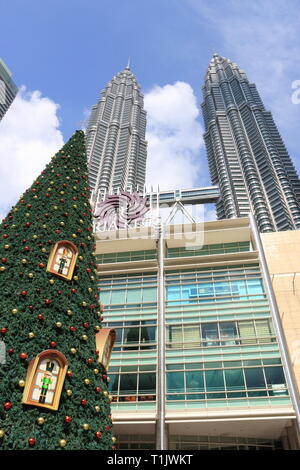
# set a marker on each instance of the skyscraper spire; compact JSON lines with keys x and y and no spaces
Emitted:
{"x":128,"y":64}
{"x":115,"y":138}
{"x":246,"y":154}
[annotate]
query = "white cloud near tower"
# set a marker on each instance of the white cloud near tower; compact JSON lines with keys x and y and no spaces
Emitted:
{"x":29,"y":136}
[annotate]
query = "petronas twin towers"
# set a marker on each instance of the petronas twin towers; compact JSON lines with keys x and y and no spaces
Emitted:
{"x":246,"y":155}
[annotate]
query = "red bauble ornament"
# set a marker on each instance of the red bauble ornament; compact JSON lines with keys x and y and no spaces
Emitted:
{"x":104,"y":376}
{"x":57,"y":231}
{"x":69,"y":373}
{"x":31,"y":441}
{"x":47,"y":301}
{"x":3,"y":260}
{"x":29,"y":206}
{"x":98,"y":434}
{"x":66,"y":214}
{"x":98,"y":389}
{"x":11,"y":351}
{"x":46,"y":215}
{"x":90,"y":361}
{"x":107,"y":428}
{"x":40,"y":316}
{"x":85,"y":324}
{"x":92,"y":306}
{"x":62,"y":200}
{"x":73,"y":291}
{"x":23,"y":355}
{"x":68,"y":419}
{"x":7,"y":406}
{"x":72,"y":329}
{"x":41,"y":265}
{"x":3,"y":330}
{"x":82,"y":244}
{"x":59,"y":291}
{"x":83,"y":402}
{"x":24,"y":293}
{"x":88,"y":270}
{"x":27,"y":224}
{"x":47,"y":195}
{"x":26,"y":248}
{"x":53,"y":344}
{"x":5,"y":235}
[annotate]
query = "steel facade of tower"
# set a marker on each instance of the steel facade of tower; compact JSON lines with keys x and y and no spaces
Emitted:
{"x":246,"y":154}
{"x":8,"y":89}
{"x":115,"y":138}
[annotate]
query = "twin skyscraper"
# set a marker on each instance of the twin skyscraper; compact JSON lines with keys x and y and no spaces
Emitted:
{"x":246,"y":154}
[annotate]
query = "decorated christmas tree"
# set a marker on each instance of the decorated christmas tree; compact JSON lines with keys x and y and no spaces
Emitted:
{"x":53,"y":389}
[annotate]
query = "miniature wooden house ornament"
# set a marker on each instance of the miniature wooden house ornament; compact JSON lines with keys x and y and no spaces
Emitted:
{"x":62,"y":259}
{"x":105,"y":339}
{"x":45,"y":378}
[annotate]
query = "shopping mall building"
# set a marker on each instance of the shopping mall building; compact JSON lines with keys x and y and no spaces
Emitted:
{"x":207,"y":319}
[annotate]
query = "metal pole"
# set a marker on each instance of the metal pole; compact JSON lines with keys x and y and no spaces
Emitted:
{"x":291,"y":382}
{"x":161,"y":434}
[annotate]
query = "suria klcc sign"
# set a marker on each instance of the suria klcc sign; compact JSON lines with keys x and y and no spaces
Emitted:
{"x":120,"y":211}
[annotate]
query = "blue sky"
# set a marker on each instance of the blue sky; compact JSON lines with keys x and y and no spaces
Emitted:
{"x":66,"y":52}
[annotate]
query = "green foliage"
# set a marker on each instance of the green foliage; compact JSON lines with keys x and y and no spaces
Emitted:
{"x":55,"y":208}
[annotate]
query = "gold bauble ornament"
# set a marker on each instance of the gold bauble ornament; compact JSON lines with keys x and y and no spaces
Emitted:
{"x":43,"y":250}
{"x":88,"y":237}
{"x":97,"y":408}
{"x":74,"y":235}
{"x":30,"y":275}
{"x":31,"y":335}
{"x":97,"y":328}
{"x":35,"y":197}
{"x":44,"y":226}
{"x":69,"y":312}
{"x":51,"y":281}
{"x":74,"y":206}
{"x":13,"y":226}
{"x":84,"y":337}
{"x":81,"y":221}
{"x":2,"y":268}
{"x":34,"y":237}
{"x":90,"y":289}
{"x":61,"y":223}
{"x":58,"y":324}
{"x":51,"y":182}
{"x":75,"y":278}
{"x":108,"y":379}
{"x":86,"y":426}
{"x":21,"y":383}
{"x":14,"y":311}
{"x":69,"y":392}
{"x":16,"y":209}
{"x":73,"y":350}
{"x":74,"y":187}
{"x":110,"y":397}
{"x":6,"y":247}
{"x":27,"y":214}
{"x":62,"y":193}
{"x":114,"y":439}
{"x":105,"y":393}
{"x":24,"y":261}
{"x":80,"y":257}
{"x":87,"y":381}
{"x":92,"y":278}
{"x":40,"y":420}
{"x":84,"y":304}
{"x":68,"y":177}
{"x":55,"y":208}
{"x":62,"y":443}
{"x":2,"y":433}
{"x":96,"y":371}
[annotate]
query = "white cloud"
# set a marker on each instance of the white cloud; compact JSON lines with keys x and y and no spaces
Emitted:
{"x":174,"y":137}
{"x":29,"y":137}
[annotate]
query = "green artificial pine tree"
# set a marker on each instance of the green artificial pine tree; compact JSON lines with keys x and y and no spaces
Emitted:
{"x":43,"y":311}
